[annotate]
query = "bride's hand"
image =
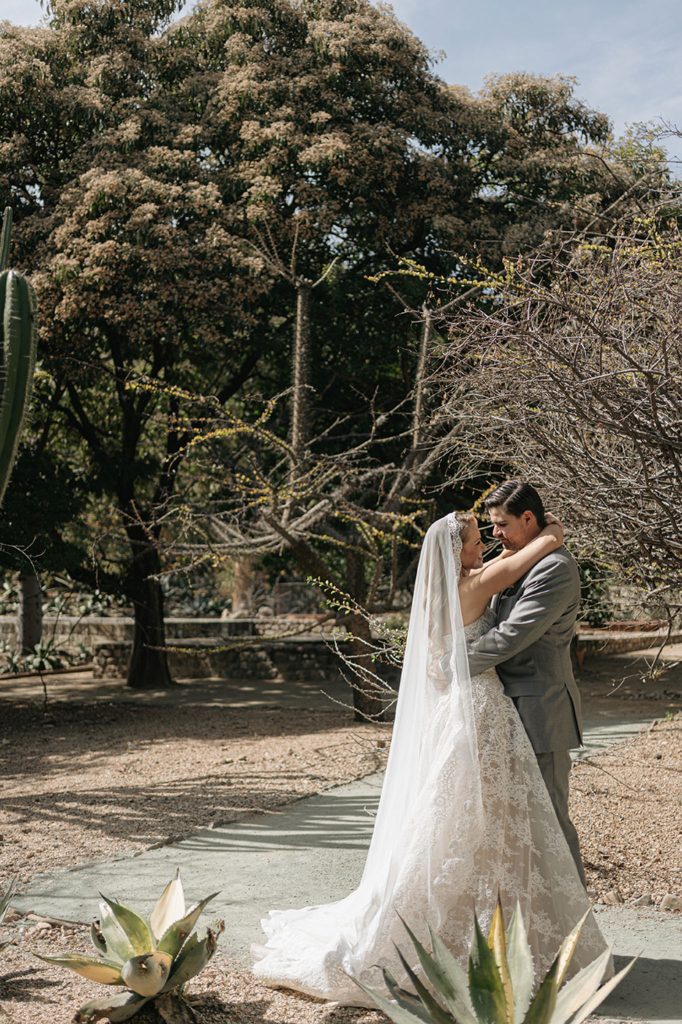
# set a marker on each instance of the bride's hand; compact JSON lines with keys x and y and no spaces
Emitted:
{"x":554,"y":528}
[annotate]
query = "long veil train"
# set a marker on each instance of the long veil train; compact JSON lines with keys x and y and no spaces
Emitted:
{"x":314,"y":949}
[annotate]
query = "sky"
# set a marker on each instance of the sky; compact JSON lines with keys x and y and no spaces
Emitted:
{"x":625,"y":54}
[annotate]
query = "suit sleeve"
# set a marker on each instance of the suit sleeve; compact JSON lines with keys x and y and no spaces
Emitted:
{"x":546,"y":596}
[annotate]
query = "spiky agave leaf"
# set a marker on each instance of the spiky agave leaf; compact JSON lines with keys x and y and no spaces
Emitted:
{"x":173,"y":939}
{"x":439,"y":977}
{"x":599,"y":996}
{"x":542,"y":1007}
{"x":497,"y":943}
{"x":436,"y":1012}
{"x":115,"y":1009}
{"x":487,"y":1003}
{"x":99,"y":943}
{"x":520,"y":960}
{"x":398,"y":1014}
{"x":120,"y":933}
{"x":580,"y":988}
{"x":456,"y":998}
{"x":485,"y":984}
{"x":193,"y":957}
{"x":134,"y":927}
{"x":118,"y":945}
{"x":94,"y":968}
{"x":408,"y":1000}
{"x":568,"y":947}
{"x":170,"y":907}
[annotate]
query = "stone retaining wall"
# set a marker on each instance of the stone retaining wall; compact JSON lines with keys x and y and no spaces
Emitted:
{"x":289,"y":660}
{"x":605,"y":641}
{"x":69,"y":630}
{"x":118,"y":629}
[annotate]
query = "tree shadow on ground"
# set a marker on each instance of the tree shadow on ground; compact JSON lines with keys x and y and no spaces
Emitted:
{"x":627,"y":677}
{"x":144,"y":816}
{"x":51,"y":744}
{"x":25,"y":986}
{"x":151,"y":815}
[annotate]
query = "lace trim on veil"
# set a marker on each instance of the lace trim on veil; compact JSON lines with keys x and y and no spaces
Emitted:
{"x":455,"y":530}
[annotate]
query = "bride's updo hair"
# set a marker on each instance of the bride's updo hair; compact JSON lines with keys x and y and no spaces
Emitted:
{"x":466,"y":520}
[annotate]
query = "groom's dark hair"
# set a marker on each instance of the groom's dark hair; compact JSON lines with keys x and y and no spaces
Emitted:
{"x":517,"y":497}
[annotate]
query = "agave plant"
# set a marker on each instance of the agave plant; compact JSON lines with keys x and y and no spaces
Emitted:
{"x":500,"y":982}
{"x":4,"y":906}
{"x":153,"y":958}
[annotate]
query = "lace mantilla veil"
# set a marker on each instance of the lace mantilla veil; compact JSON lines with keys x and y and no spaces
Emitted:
{"x":434,"y":722}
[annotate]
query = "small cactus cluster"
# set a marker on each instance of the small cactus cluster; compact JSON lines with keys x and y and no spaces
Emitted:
{"x":17,"y":352}
{"x":152,"y":958}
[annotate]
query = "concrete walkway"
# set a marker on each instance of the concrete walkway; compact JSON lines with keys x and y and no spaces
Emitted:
{"x":313,"y":851}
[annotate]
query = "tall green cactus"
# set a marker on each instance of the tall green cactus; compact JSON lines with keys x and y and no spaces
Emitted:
{"x":18,"y":354}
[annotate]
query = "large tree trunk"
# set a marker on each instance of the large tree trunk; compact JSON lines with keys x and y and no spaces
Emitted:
{"x":148,"y":665}
{"x":29,"y":613}
{"x":243,"y":587}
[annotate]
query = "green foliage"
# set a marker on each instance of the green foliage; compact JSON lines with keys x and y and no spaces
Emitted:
{"x":153,"y":958}
{"x":41,"y":526}
{"x":174,"y":179}
{"x":499,"y":985}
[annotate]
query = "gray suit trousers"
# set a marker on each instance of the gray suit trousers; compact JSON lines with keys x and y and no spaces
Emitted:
{"x":555,"y":768}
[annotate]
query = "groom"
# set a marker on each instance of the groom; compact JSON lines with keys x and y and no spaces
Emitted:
{"x":530,"y":645}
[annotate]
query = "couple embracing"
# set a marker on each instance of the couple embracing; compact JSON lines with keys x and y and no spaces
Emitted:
{"x":475,"y":796}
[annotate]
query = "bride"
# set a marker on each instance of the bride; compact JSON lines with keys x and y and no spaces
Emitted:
{"x":464,"y":812}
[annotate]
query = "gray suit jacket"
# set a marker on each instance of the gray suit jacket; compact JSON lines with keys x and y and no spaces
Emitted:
{"x":530,"y":646}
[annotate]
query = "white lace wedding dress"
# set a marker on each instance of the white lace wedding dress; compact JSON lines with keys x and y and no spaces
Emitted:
{"x":451,"y":861}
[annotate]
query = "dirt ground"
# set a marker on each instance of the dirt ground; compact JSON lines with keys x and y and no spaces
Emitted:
{"x":93,"y":781}
{"x":89,"y":780}
{"x":626,"y":804}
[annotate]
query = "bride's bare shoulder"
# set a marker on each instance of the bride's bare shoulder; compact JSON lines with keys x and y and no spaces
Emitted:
{"x":471,"y":598}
